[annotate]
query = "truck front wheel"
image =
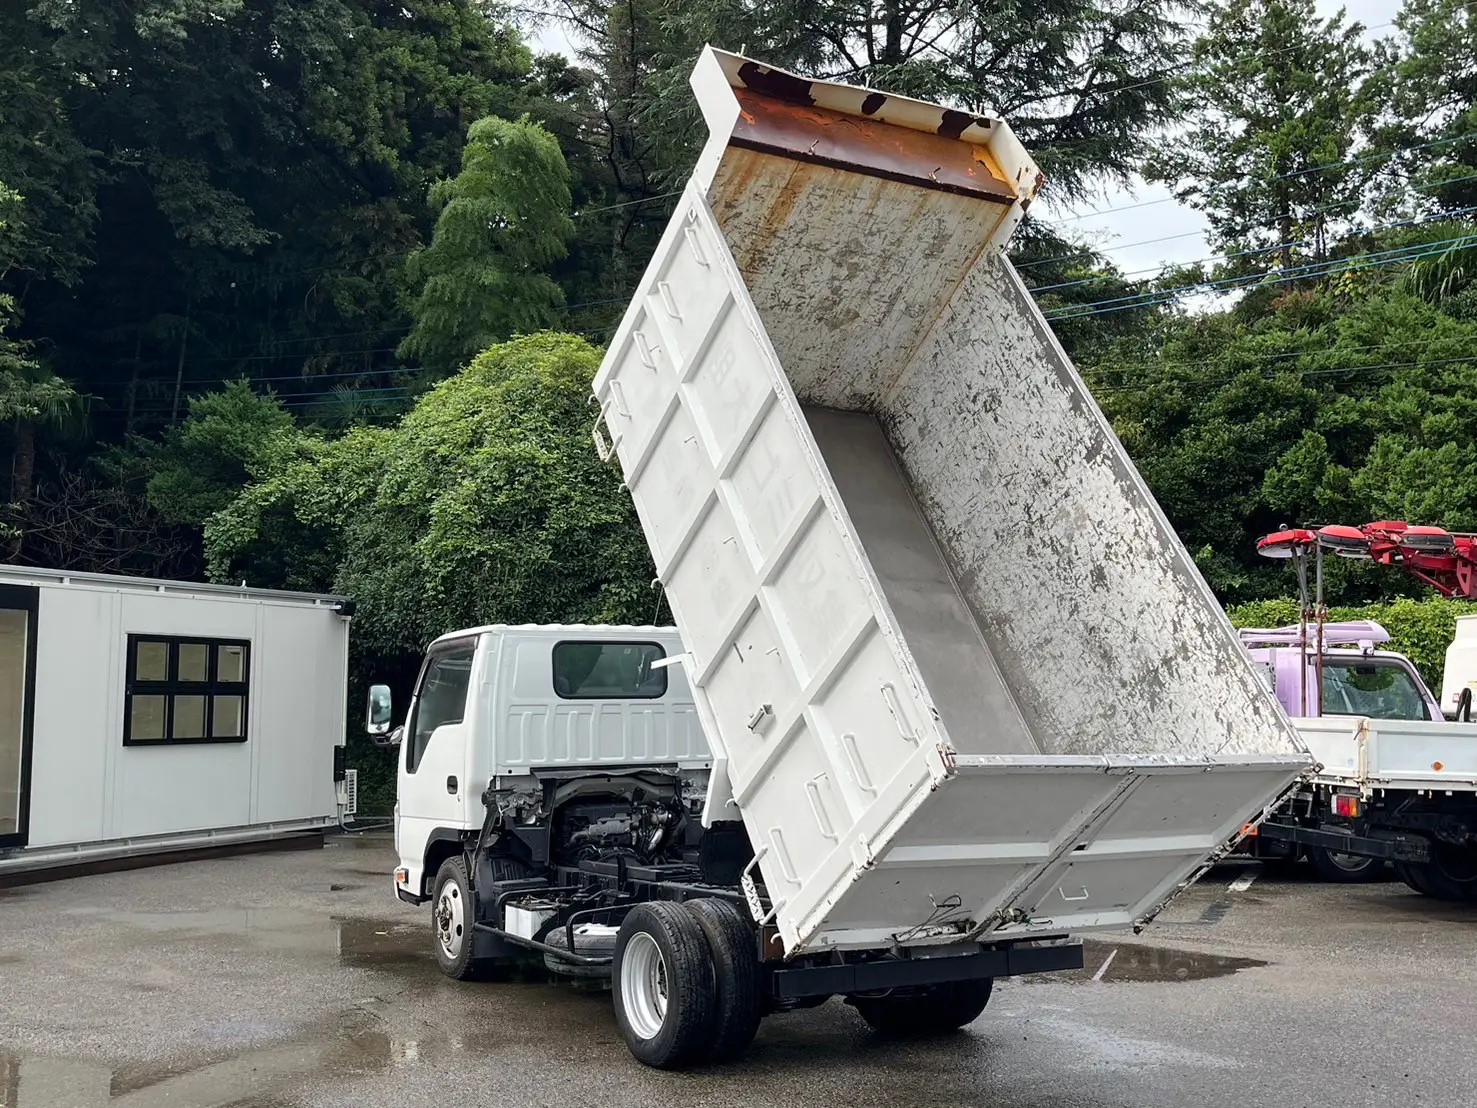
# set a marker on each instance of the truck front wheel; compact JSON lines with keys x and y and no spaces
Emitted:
{"x":452,"y":913}
{"x":934,"y":1010}
{"x":663,"y":985}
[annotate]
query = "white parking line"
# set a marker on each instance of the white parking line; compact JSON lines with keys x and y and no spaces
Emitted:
{"x":1102,"y":969}
{"x":1242,"y":883}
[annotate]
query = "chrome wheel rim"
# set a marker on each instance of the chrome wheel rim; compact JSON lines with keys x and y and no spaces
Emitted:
{"x":449,"y":919}
{"x":1351,"y":863}
{"x":644,"y":985}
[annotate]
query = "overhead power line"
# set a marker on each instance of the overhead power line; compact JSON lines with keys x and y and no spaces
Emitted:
{"x":1161,"y":266}
{"x":1088,"y":252}
{"x":1273,"y":277}
{"x":1265,"y":180}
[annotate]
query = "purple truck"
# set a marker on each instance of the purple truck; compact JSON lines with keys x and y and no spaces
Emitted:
{"x":1356,"y":679}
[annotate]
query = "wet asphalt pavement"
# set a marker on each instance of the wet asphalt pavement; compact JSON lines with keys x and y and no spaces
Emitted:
{"x":296,"y":980}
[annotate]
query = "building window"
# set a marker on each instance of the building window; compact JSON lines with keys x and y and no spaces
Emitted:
{"x":609,"y":671}
{"x":183,"y":690}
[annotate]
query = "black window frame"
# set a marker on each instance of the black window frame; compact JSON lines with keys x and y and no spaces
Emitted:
{"x":172,"y":687}
{"x":554,"y":667}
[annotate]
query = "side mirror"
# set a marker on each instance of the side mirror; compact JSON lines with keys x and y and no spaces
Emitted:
{"x":377,"y":719}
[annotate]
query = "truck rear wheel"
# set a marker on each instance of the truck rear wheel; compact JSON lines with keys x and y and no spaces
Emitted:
{"x":935,"y":1010}
{"x":1346,"y":869}
{"x":1451,"y":874}
{"x":663,"y":985}
{"x":733,"y":944}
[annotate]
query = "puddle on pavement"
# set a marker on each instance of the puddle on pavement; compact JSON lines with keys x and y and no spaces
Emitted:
{"x":366,"y":944}
{"x":359,"y":1042}
{"x":1108,"y":963}
{"x":353,"y":1046}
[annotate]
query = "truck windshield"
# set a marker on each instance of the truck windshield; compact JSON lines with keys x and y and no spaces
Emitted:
{"x":1380,"y":690}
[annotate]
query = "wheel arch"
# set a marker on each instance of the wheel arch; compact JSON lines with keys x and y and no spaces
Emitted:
{"x":442,"y":843}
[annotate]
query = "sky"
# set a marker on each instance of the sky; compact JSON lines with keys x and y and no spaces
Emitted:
{"x":1118,"y":220}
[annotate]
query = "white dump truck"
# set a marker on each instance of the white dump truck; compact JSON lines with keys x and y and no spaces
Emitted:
{"x":965,"y":693}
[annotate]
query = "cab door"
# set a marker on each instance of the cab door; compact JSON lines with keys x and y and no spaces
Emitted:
{"x":433,"y":784}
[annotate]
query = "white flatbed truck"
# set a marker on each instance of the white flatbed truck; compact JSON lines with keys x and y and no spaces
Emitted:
{"x":1400,"y":790}
{"x":852,"y":441}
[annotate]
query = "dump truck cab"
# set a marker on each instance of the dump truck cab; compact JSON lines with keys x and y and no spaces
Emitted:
{"x":497,"y":709}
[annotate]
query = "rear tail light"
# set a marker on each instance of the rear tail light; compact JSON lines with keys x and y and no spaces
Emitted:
{"x":1346,"y":806}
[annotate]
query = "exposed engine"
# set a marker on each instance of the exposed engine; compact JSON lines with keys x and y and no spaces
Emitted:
{"x":644,"y":826}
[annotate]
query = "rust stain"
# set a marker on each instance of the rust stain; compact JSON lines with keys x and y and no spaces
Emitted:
{"x":808,"y":133}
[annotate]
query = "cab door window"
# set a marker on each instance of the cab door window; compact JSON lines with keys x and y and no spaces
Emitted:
{"x":440,"y":698}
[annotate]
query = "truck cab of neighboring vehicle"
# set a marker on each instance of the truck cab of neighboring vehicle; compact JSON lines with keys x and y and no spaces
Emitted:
{"x":1357,"y":678}
{"x":501,"y":706}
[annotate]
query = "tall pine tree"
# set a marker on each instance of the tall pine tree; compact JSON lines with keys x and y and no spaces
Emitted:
{"x":1280,"y":102}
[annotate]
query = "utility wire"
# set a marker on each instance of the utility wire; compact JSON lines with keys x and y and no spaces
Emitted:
{"x":1163,"y":265}
{"x":1159,"y":296}
{"x":1088,"y":252}
{"x":1264,"y":180}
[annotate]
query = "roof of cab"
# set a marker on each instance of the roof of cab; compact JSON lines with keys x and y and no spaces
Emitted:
{"x":600,"y":630}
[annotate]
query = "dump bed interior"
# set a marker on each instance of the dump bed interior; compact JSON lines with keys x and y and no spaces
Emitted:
{"x":959,"y":674}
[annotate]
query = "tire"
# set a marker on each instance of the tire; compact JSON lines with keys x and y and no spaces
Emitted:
{"x":1406,"y":871}
{"x":1451,"y":874}
{"x":935,"y":1010}
{"x":733,"y":945}
{"x":663,"y":985}
{"x":1346,"y":869}
{"x":453,"y":908}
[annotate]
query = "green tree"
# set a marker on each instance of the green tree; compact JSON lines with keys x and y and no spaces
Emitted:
{"x":504,"y":221}
{"x":1434,"y":74}
{"x":1086,"y":87}
{"x":1281,"y":99}
{"x":1344,"y":401}
{"x":201,"y":465}
{"x":485,"y":503}
{"x":233,"y":188}
{"x":32,"y":398}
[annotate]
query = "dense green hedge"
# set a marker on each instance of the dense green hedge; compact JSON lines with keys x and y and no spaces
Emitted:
{"x":1419,"y":629}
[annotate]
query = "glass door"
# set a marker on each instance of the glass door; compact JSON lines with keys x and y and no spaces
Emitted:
{"x":17,"y":687}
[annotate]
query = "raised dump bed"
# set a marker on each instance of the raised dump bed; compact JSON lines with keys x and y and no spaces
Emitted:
{"x":959,"y":674}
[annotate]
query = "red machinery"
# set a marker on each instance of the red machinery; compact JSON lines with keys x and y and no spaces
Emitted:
{"x":1445,"y":560}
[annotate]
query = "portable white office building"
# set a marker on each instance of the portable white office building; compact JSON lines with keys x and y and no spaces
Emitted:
{"x":141,"y":716}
